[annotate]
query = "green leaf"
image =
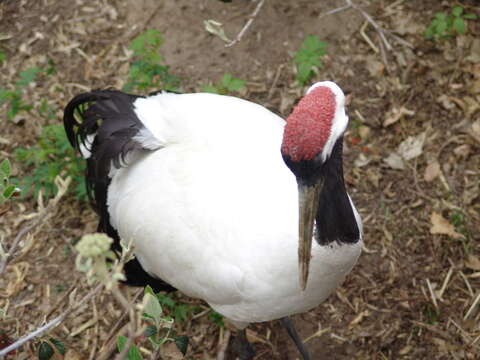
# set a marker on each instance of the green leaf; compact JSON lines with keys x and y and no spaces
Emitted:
{"x":308,"y":57}
{"x":59,"y":345}
{"x":441,"y":28}
{"x":5,"y":168}
{"x":216,"y":318}
{"x":304,"y":73}
{"x":182,"y":343}
{"x":2,"y":57}
{"x":148,"y":290}
{"x":45,"y":351}
{"x":5,"y":95}
{"x":152,"y":307}
{"x":181,"y":312}
{"x":470,"y":16}
{"x":232,"y":83}
{"x":27,"y":76}
{"x":151,"y":330}
{"x":133,"y":352}
{"x":210,"y":89}
{"x":9,"y":191}
{"x":457,"y":11}
{"x":459,"y":25}
{"x":166,"y":300}
{"x":441,"y":16}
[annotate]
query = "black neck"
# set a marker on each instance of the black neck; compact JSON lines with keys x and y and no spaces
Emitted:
{"x":335,"y":220}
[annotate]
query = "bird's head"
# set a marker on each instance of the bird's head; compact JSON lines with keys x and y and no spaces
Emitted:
{"x":316,"y":123}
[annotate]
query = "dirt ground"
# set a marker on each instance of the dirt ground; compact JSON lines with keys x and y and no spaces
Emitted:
{"x":412,"y":165}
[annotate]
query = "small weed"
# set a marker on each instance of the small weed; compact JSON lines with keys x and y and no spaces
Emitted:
{"x":49,"y":347}
{"x":447,"y":25}
{"x":431,"y":314}
{"x":308,"y":58}
{"x":228,"y":84}
{"x":159,"y":330}
{"x":177,"y":310}
{"x":14,"y":97}
{"x":216,"y":318}
{"x":52,"y":156}
{"x":2,"y":57}
{"x":7,"y":190}
{"x":457,"y":219}
{"x":146,"y":72}
{"x":58,"y":288}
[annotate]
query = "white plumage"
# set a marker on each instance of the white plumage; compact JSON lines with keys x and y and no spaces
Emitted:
{"x":216,"y":209}
{"x":199,"y":184}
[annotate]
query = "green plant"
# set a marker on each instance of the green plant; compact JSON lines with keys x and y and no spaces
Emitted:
{"x":48,"y":347}
{"x":431,"y":314}
{"x":147,"y":72}
{"x":14,"y":97}
{"x":7,"y":190}
{"x":228,"y":84}
{"x":446,"y":25}
{"x":216,"y":318}
{"x":52,"y":156}
{"x":308,"y":58}
{"x":159,"y":329}
{"x":177,"y":310}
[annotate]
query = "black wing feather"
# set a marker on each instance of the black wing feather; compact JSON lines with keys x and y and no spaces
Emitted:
{"x":110,"y":116}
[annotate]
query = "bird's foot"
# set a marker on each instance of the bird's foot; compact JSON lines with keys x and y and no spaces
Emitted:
{"x":241,"y":347}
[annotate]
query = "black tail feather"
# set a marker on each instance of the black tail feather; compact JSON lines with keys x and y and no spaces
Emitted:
{"x":109,"y":117}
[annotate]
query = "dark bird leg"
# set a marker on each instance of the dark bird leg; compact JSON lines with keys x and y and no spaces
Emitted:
{"x":241,"y":347}
{"x":288,"y":324}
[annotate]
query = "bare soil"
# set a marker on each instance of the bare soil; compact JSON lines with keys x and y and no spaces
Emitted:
{"x":416,"y":289}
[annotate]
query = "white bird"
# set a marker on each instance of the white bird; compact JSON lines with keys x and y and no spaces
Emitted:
{"x":223,"y":199}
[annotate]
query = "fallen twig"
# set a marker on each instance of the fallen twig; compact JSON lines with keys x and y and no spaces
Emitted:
{"x":51,"y":324}
{"x":247,"y":24}
{"x":382,"y":33}
{"x":41,"y":216}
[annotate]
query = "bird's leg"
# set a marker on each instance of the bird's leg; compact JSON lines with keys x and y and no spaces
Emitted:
{"x":241,"y":347}
{"x":288,"y":324}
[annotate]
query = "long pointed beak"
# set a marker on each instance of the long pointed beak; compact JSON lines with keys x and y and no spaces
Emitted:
{"x":308,"y":205}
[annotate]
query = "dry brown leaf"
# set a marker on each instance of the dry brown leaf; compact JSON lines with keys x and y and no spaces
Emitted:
{"x":432,"y":171}
{"x":476,"y":130}
{"x":396,"y":114}
{"x":473,"y":262}
{"x":441,"y":226}
{"x":412,"y":146}
{"x":463,"y":151}
{"x":364,"y":132}
{"x":474,"y":55}
{"x":376,"y":68}
{"x":446,"y":102}
{"x":395,"y":161}
{"x":72,"y":354}
{"x":171,"y":352}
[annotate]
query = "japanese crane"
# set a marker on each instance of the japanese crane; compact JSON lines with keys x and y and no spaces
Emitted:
{"x":223,"y":199}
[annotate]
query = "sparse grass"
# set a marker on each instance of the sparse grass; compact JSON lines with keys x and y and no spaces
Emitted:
{"x":446,"y":25}
{"x":308,"y":58}
{"x":7,"y":190}
{"x":52,"y":156}
{"x":14,"y":97}
{"x":147,"y":72}
{"x":178,"y":311}
{"x":227,"y":85}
